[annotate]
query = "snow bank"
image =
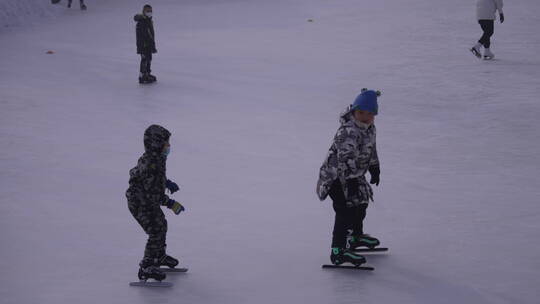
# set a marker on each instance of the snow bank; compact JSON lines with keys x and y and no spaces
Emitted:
{"x":19,"y":12}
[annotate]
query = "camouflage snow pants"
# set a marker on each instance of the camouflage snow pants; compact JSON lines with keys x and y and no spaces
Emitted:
{"x":153,"y":222}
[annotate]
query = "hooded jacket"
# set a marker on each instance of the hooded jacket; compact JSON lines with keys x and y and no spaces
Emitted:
{"x":486,"y":9}
{"x":352,"y":152}
{"x":145,"y":34}
{"x":147,"y":179}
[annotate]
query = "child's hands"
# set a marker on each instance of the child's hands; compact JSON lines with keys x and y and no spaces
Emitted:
{"x":375,"y":172}
{"x":172,"y":186}
{"x":175,"y":206}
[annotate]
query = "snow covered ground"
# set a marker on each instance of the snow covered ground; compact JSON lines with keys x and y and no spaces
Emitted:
{"x":251,"y":92}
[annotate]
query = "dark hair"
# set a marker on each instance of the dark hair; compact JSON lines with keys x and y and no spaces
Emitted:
{"x":147,"y":6}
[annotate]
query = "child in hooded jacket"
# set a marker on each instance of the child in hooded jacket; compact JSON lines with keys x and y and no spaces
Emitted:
{"x":352,"y":154}
{"x":145,"y":196}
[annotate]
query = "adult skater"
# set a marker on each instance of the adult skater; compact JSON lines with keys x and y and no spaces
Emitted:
{"x":145,"y":195}
{"x":485,"y":13}
{"x":352,"y":154}
{"x":82,"y":5}
{"x":146,"y":45}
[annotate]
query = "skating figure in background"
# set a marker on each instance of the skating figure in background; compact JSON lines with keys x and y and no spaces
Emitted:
{"x":146,"y":45}
{"x":83,"y":6}
{"x":352,"y":154}
{"x":485,"y":13}
{"x":145,"y":195}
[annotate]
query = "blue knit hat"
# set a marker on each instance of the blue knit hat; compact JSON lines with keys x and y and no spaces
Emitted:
{"x":367,"y":101}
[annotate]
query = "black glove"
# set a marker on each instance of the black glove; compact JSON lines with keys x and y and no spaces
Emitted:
{"x":374,"y":171}
{"x":172,"y":186}
{"x":175,"y":206}
{"x":501,"y":17}
{"x":352,"y":188}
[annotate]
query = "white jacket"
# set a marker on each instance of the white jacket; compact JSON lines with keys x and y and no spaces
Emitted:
{"x":485,"y":9}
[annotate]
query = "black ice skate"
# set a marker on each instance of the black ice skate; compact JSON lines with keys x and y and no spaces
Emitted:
{"x":363,"y":240}
{"x":149,"y":270}
{"x":168,"y":261}
{"x":340,"y":256}
{"x":145,"y":79}
{"x":152,"y":77}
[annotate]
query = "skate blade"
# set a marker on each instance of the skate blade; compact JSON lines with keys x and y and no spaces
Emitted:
{"x":151,"y":284}
{"x":348,"y":267}
{"x":165,"y":269}
{"x":377,"y":249}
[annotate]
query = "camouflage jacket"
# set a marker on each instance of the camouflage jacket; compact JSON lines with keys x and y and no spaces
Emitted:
{"x":147,"y":179}
{"x":352,"y":152}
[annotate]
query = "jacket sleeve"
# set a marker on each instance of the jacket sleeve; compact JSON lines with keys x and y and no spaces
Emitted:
{"x":140,"y":37}
{"x":346,"y":142}
{"x":154,"y":185}
{"x":499,"y":4}
{"x":374,"y":161}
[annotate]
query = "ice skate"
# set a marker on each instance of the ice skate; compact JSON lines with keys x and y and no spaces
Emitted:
{"x":476,"y":51}
{"x":340,"y":256}
{"x":363,"y":240}
{"x":149,"y":270}
{"x":488,"y":55}
{"x":168,"y":261}
{"x":145,"y":79}
{"x":152,"y":77}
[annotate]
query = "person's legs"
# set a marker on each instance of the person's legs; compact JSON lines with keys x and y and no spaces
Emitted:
{"x":149,"y":63}
{"x":358,"y":222}
{"x":153,"y":222}
{"x":488,"y":28}
{"x":343,"y":216}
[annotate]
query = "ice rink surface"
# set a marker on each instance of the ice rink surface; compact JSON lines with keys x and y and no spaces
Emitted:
{"x":251,"y":92}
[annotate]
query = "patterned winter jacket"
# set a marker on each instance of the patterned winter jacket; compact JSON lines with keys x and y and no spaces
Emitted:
{"x":352,"y":152}
{"x":147,"y":179}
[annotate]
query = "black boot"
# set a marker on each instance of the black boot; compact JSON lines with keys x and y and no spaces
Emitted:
{"x":152,"y":77}
{"x":145,"y":79}
{"x":363,"y":240}
{"x":340,"y":256}
{"x":150,"y":270}
{"x":168,"y":261}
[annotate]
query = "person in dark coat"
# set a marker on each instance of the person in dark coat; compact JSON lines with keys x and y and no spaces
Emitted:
{"x":146,"y":44}
{"x":145,"y":196}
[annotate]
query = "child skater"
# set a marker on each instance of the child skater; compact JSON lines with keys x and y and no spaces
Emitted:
{"x":352,"y":154}
{"x":485,"y":13}
{"x":146,"y":44}
{"x":146,"y":194}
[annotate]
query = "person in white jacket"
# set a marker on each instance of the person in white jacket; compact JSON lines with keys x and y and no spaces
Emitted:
{"x":485,"y":13}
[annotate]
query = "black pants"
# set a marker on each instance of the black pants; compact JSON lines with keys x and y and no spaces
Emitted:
{"x":488,"y":28}
{"x":346,"y":217}
{"x":146,"y":61}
